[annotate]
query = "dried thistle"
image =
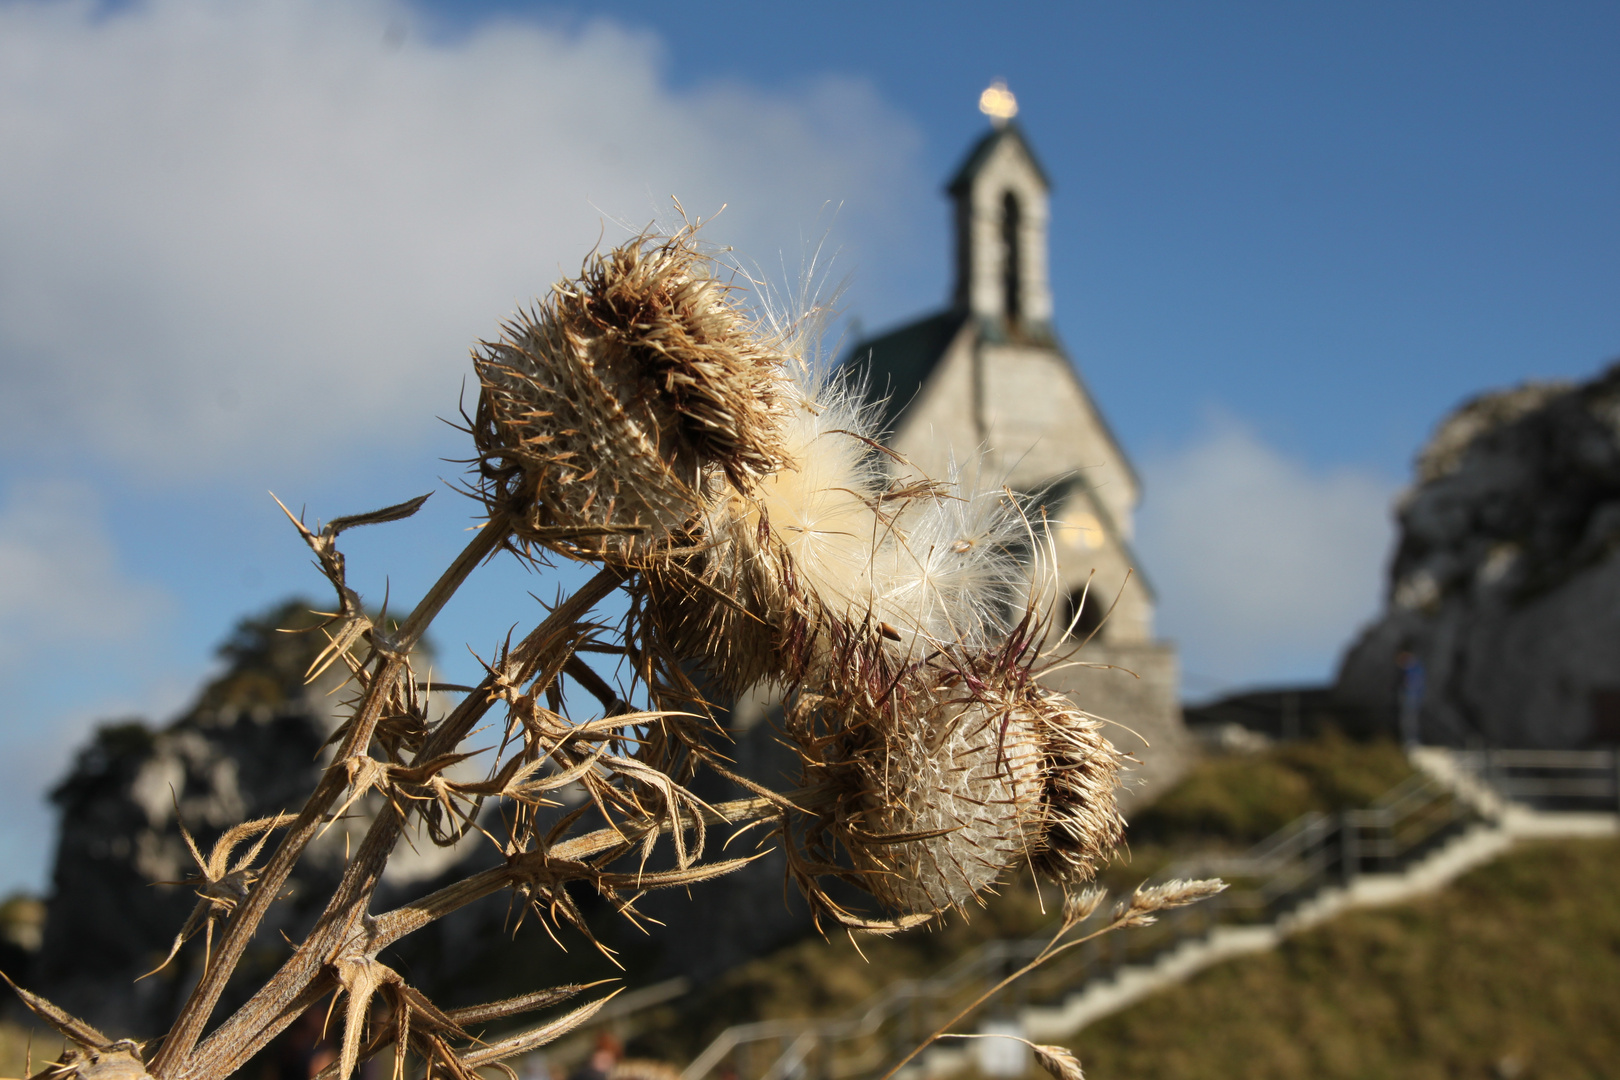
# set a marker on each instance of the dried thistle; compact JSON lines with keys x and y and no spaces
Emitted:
{"x":1080,"y":776}
{"x":933,"y":759}
{"x":954,"y":568}
{"x":601,"y":409}
{"x":639,"y":417}
{"x":221,"y":884}
{"x":933,"y":783}
{"x":940,"y":796}
{"x":769,"y":564}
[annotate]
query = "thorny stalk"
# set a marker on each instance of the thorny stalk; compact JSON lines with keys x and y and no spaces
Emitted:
{"x":641,"y":421}
{"x":391,"y":659}
{"x":242,"y":1036}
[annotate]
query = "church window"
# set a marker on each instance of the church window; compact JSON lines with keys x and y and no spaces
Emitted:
{"x":1012,"y":258}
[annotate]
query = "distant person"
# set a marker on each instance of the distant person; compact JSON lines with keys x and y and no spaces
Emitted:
{"x":304,"y":1049}
{"x":602,"y":1059}
{"x":1409,"y":695}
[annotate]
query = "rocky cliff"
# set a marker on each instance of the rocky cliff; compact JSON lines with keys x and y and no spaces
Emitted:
{"x":250,"y":746}
{"x":1502,"y":620}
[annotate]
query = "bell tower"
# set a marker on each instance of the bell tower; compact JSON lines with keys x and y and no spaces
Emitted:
{"x":1001,"y":211}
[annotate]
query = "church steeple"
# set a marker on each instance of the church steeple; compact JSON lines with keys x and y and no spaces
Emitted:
{"x":1000,"y":193}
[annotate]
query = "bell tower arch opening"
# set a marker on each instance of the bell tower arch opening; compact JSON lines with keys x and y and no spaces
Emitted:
{"x":1012,"y":260}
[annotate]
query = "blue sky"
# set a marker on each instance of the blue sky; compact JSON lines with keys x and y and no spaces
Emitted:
{"x":245,"y":246}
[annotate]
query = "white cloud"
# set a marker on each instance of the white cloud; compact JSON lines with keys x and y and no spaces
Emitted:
{"x":266,"y":229}
{"x":60,"y":583}
{"x":1264,"y":567}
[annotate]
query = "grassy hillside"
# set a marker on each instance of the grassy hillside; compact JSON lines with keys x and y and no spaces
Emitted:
{"x":1512,"y":973}
{"x":1226,"y":802}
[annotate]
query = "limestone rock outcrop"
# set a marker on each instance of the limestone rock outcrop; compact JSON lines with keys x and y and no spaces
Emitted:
{"x":1502,"y":621}
{"x":250,"y":746}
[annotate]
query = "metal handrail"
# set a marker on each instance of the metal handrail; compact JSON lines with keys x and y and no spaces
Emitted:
{"x":1545,"y":775}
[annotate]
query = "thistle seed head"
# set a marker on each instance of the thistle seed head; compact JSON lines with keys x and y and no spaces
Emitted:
{"x":1082,"y":822}
{"x":950,"y":570}
{"x":775,"y":562}
{"x":957,"y":769}
{"x":968,"y":773}
{"x":602,"y":408}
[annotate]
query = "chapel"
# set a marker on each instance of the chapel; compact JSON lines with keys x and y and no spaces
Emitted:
{"x":986,"y":383}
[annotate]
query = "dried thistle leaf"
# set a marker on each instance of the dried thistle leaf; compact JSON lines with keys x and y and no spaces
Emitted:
{"x":536,"y":1036}
{"x":397,"y":512}
{"x":60,"y":1019}
{"x":539,"y":999}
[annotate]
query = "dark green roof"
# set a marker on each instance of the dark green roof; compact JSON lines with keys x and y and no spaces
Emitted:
{"x":982,"y":151}
{"x":894,"y":366}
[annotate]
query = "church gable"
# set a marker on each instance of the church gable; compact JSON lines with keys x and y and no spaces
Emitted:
{"x":939,"y":422}
{"x":898,"y":365}
{"x":1044,"y":426}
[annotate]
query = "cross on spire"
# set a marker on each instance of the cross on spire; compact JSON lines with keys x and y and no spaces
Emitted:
{"x":997,"y":102}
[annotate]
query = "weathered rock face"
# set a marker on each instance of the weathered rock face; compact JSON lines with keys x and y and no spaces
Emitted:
{"x":1505,"y":586}
{"x":250,"y":747}
{"x":247,"y":748}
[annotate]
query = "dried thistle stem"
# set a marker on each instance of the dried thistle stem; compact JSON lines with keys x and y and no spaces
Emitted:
{"x":245,"y":921}
{"x":244,"y":1034}
{"x":419,"y":913}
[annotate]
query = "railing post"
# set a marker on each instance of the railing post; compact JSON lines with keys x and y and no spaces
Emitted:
{"x":1349,"y":847}
{"x":1614,"y":771}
